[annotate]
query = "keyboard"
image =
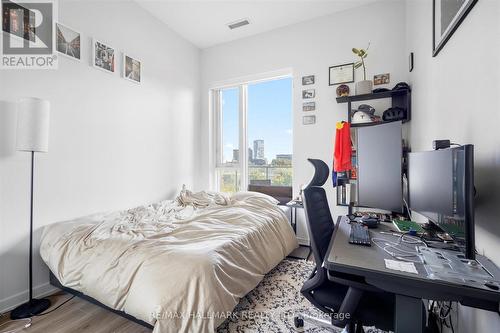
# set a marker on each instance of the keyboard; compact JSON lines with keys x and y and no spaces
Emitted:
{"x":359,"y":235}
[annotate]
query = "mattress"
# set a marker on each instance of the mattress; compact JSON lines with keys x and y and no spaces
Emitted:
{"x":180,"y":265}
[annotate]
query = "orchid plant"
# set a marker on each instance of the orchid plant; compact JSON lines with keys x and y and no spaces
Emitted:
{"x":362,"y":54}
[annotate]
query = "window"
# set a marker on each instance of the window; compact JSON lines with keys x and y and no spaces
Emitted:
{"x":228,"y":161}
{"x":257,"y":116}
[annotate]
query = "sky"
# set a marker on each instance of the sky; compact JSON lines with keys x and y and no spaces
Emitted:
{"x":269,"y":117}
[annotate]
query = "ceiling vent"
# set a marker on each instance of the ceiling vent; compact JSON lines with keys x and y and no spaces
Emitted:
{"x":238,"y":24}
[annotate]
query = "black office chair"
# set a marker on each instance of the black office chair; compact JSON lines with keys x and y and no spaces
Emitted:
{"x":346,"y":294}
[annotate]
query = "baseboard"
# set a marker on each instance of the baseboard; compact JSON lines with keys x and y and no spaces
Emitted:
{"x":13,"y":301}
{"x":303,"y":241}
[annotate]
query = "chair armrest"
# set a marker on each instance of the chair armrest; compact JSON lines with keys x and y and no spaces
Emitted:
{"x":349,"y":305}
{"x":311,"y":283}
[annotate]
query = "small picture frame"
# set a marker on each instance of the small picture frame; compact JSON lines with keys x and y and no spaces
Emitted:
{"x":308,"y":120}
{"x":308,"y":79}
{"x":68,"y":42}
{"x":103,"y":56}
{"x":308,"y":93}
{"x":132,"y":69}
{"x":308,"y":106}
{"x":381,"y":79}
{"x":341,"y":74}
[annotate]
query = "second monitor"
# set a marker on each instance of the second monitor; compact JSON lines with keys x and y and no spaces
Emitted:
{"x":441,"y":187}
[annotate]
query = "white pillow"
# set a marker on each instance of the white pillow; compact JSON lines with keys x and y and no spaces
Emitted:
{"x":243,"y":195}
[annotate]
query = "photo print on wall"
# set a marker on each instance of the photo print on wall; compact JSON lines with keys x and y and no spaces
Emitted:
{"x":103,"y":56}
{"x":309,"y":93}
{"x":68,"y":42}
{"x":309,"y":106}
{"x":308,"y":79}
{"x":132,"y":69}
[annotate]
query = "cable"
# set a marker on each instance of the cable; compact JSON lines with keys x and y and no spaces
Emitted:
{"x":444,"y":315}
{"x":403,"y":254}
{"x":57,"y":307}
{"x":27,"y":324}
{"x":29,"y":321}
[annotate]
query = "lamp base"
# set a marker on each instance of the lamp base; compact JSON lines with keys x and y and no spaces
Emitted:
{"x":30,"y":309}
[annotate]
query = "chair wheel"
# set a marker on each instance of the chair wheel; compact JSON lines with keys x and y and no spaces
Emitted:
{"x":298,"y":322}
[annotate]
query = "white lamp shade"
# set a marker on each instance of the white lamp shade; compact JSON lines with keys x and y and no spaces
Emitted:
{"x":33,"y":125}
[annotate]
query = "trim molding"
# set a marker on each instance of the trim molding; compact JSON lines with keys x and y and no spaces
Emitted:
{"x":13,"y":301}
{"x":266,"y":76}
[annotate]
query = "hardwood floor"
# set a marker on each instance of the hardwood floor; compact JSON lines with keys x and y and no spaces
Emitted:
{"x":77,"y":316}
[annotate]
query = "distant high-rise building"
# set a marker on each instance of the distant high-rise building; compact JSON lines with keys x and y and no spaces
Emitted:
{"x":258,"y":149}
{"x":236,"y":155}
{"x":250,"y":155}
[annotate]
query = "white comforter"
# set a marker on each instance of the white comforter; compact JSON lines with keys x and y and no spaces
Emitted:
{"x":173,"y":265}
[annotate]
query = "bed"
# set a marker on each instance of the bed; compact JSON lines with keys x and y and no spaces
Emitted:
{"x":177,"y":266}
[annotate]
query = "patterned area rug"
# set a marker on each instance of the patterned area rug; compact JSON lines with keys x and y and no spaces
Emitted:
{"x":272,"y":306}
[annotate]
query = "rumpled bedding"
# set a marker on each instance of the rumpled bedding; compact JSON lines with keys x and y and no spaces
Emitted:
{"x":180,"y":265}
{"x":201,"y":199}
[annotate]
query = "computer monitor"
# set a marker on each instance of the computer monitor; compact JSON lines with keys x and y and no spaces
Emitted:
{"x":379,"y":155}
{"x":441,"y":187}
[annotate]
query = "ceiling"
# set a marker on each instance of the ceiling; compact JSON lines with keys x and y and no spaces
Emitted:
{"x":204,"y":22}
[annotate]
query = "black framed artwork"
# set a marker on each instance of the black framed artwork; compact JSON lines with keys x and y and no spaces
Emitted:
{"x":447,"y":15}
{"x":341,"y":74}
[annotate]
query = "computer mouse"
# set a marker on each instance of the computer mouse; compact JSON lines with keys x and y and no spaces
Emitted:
{"x":370,"y":222}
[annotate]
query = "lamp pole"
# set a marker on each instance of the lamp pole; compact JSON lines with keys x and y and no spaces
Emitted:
{"x":31,"y":226}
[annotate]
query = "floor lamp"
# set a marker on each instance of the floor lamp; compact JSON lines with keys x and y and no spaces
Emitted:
{"x":32,"y":136}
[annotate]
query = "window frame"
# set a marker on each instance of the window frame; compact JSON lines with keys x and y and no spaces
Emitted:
{"x":218,"y":152}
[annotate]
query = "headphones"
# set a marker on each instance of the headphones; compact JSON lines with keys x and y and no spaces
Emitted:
{"x":402,"y":86}
{"x":394,"y":113}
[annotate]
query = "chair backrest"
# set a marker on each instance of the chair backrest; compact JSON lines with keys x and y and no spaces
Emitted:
{"x":318,"y":217}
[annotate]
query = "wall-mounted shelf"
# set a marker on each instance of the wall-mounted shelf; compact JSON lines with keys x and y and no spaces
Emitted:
{"x":366,"y":97}
{"x":374,"y":123}
{"x":400,"y":98}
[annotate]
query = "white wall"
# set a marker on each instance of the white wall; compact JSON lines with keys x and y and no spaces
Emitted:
{"x":310,"y":48}
{"x":456,"y":96}
{"x":113,"y":144}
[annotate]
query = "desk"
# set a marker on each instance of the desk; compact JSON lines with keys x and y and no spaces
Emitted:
{"x":410,"y":289}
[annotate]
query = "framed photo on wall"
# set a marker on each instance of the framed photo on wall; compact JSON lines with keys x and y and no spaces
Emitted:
{"x":381,"y":79}
{"x":308,"y":120}
{"x":309,"y":93}
{"x":341,"y":74}
{"x":103,"y":56}
{"x":447,"y":15}
{"x":68,"y":42}
{"x":307,"y":80}
{"x":132,"y":69}
{"x":308,"y":106}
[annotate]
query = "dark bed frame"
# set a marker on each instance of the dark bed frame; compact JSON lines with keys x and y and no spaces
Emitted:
{"x":55,"y":282}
